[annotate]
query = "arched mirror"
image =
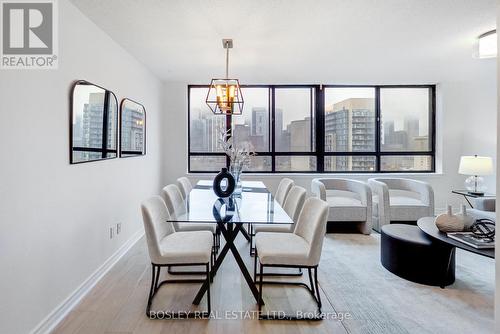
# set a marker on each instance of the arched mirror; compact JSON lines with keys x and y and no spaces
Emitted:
{"x":94,"y":123}
{"x":132,"y":129}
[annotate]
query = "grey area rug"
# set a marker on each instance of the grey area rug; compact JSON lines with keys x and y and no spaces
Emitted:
{"x":378,"y":301}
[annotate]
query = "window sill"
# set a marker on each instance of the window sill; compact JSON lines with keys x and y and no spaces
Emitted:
{"x":328,"y":175}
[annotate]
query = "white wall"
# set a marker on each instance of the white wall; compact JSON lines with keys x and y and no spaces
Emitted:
{"x":465,"y":125}
{"x":480,"y":117}
{"x":497,"y":246}
{"x":55,"y":217}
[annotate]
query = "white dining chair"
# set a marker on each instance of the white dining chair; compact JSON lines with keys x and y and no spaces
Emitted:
{"x":349,"y":201}
{"x":185,"y":186}
{"x":292,"y":206}
{"x":172,"y":196}
{"x":300,"y":249}
{"x":176,"y":205}
{"x":283,"y":188}
{"x":169,"y":248}
{"x":279,"y":196}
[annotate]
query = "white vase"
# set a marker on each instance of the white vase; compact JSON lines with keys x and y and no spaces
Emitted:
{"x":465,"y":218}
{"x":448,"y":222}
{"x":235,"y":169}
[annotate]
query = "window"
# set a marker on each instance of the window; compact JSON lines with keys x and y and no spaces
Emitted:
{"x":406,"y":123}
{"x":312,"y":128}
{"x":294,"y":129}
{"x":204,"y":126}
{"x":293,"y":120}
{"x":349,"y":127}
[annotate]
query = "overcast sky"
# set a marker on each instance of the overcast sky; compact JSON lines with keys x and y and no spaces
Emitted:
{"x":397,"y":104}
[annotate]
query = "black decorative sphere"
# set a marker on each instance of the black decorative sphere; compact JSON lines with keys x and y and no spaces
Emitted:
{"x":230,"y":183}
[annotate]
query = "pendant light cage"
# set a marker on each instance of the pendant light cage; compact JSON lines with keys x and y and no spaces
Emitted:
{"x":224,"y":96}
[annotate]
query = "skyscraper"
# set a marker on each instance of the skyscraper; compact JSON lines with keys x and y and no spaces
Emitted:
{"x":300,"y":141}
{"x":92,"y":125}
{"x":260,"y":129}
{"x":205,"y":132}
{"x":350,"y":127}
{"x":132,"y":131}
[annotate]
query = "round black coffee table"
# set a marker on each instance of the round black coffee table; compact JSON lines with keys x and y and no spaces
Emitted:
{"x":428,"y":226}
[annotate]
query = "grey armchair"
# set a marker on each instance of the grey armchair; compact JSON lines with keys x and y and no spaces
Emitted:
{"x":348,"y":201}
{"x":402,"y":200}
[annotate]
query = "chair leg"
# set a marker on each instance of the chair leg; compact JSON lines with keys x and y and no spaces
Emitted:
{"x":219,"y":233}
{"x":151,"y":289}
{"x":208,"y":289}
{"x":260,"y":288}
{"x":311,"y":281}
{"x":217,"y":239}
{"x":255,"y":268}
{"x":252,"y":235}
{"x":156,"y":284}
{"x":157,"y":280}
{"x":317,"y":288}
{"x":313,"y":290}
{"x":155,"y":277}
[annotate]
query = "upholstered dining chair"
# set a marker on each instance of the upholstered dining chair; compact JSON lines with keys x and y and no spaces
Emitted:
{"x":279,"y":196}
{"x":184,"y":186}
{"x":282,"y":191}
{"x":400,"y":200}
{"x":292,"y":206}
{"x":300,"y":249}
{"x":349,"y":201}
{"x":172,"y":196}
{"x":169,"y":248}
{"x":175,"y":204}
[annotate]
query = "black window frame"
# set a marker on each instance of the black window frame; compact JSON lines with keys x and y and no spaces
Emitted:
{"x":318,"y":118}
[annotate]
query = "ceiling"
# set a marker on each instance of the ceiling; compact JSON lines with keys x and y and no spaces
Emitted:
{"x":315,"y":41}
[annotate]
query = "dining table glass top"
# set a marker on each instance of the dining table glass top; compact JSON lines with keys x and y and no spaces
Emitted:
{"x":255,"y":205}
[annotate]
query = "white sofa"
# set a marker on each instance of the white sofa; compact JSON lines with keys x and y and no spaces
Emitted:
{"x":348,"y":201}
{"x":400,"y":200}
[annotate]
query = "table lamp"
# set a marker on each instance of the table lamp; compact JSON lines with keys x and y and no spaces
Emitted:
{"x":475,"y":166}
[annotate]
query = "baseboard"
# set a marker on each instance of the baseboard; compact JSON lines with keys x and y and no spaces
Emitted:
{"x":57,"y":315}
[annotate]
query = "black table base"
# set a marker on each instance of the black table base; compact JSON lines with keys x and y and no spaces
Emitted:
{"x":407,"y":252}
{"x":229,"y":232}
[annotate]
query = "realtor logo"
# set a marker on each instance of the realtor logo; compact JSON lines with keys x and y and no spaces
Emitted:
{"x":29,"y":34}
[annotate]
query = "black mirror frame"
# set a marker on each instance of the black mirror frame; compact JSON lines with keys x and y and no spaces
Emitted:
{"x":145,"y":131}
{"x":73,"y":86}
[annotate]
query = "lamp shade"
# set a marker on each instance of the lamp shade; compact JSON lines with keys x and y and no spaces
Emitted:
{"x":475,"y":165}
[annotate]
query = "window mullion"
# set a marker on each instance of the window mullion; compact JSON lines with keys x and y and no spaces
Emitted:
{"x":273,"y":126}
{"x":320,"y":129}
{"x":378,"y":129}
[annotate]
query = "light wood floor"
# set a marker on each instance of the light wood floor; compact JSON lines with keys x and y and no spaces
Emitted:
{"x":352,"y":282}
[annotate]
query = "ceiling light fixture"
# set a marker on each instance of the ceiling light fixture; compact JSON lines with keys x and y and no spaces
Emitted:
{"x":224,"y":95}
{"x":486,"y":45}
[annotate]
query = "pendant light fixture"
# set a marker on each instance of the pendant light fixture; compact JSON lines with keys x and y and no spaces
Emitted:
{"x":224,"y":95}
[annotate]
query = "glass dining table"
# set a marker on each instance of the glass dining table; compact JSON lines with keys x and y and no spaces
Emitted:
{"x":254,"y":205}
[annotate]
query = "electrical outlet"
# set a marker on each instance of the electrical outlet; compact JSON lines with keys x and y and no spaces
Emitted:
{"x":111,"y":232}
{"x":118,"y":228}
